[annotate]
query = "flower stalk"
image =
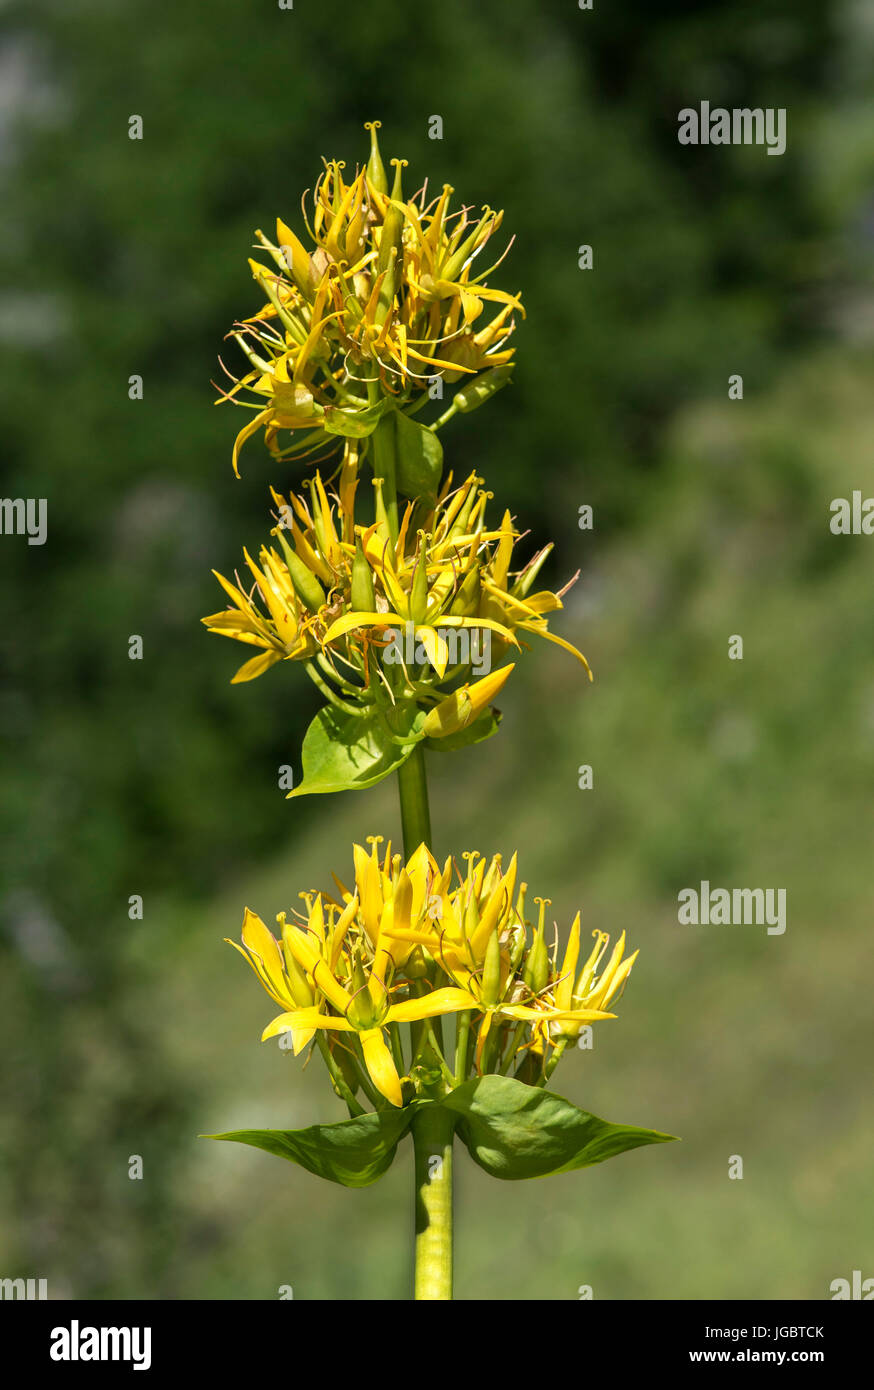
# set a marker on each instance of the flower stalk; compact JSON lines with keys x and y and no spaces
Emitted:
{"x":404,"y":597}
{"x":432,"y":1131}
{"x":413,"y":792}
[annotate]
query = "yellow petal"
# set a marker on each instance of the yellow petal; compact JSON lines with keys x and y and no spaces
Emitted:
{"x":504,"y":552}
{"x":256,"y":667}
{"x":350,"y":621}
{"x":304,"y":1018}
{"x":621,"y":975}
{"x":236,"y":595}
{"x":380,"y":1064}
{"x":262,"y":943}
{"x":451,"y":621}
{"x":441,"y":1001}
{"x":560,"y":642}
{"x":255,"y":964}
{"x":232,"y":623}
{"x":246,"y":432}
{"x":554,"y":1015}
{"x":308,"y":958}
{"x":294,"y":253}
{"x":565,"y":989}
{"x":436,"y":649}
{"x":461,"y":708}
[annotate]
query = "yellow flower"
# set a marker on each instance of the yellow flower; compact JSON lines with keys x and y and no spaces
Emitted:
{"x":387,"y":297}
{"x":286,"y":632}
{"x":342,"y":591}
{"x":409,"y":942}
{"x":453,"y":572}
{"x":336,"y":970}
{"x":480,"y":943}
{"x":591,"y":991}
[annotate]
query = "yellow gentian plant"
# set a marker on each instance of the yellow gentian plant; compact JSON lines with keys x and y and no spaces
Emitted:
{"x":439,"y":1005}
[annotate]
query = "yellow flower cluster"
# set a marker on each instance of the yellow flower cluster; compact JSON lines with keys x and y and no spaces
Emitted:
{"x":336,"y":589}
{"x":385,"y":297}
{"x":409,"y":942}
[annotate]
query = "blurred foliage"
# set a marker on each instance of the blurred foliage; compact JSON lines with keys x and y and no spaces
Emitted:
{"x":156,"y":777}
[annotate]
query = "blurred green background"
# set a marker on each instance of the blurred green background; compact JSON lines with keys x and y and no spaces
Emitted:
{"x":158,"y":778}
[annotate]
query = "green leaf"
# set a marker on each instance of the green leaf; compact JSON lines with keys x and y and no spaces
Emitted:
{"x":354,"y":424}
{"x":518,"y":1131}
{"x":419,"y":459}
{"x":481,"y":728}
{"x":354,"y":1152}
{"x":346,"y":752}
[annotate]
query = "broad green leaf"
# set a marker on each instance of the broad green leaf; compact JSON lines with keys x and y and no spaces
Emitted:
{"x":419,"y":459}
{"x":346,"y":752}
{"x":481,"y":728}
{"x":518,"y":1131}
{"x":354,"y":1152}
{"x":354,"y":424}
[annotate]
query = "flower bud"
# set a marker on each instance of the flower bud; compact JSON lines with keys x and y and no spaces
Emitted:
{"x":361,"y":1010}
{"x":362,"y":594}
{"x":467,"y":600}
{"x":536,"y":971}
{"x":461,"y":520}
{"x":393,"y":225}
{"x":462,"y":707}
{"x":375,"y":166}
{"x":491,"y":986}
{"x":300,"y":986}
{"x":419,"y":588}
{"x":306,"y":585}
{"x":479,"y":391}
{"x":482,"y":230}
{"x":517,"y":947}
{"x":295,"y":257}
{"x":416,"y":967}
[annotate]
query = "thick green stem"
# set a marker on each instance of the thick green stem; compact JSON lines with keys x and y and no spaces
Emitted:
{"x":413,"y":789}
{"x":432,"y":1141}
{"x":432,"y":1126}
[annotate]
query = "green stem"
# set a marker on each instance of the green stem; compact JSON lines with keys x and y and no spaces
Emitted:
{"x":553,"y":1061}
{"x":384,"y":462}
{"x":462,"y":1033}
{"x":358,"y":691}
{"x":432,"y":1141}
{"x":338,"y":1078}
{"x":328,"y":693}
{"x":397,"y":1051}
{"x":413,"y":790}
{"x":511,"y":1050}
{"x":492,"y":1050}
{"x":432,"y":1125}
{"x":444,"y":418}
